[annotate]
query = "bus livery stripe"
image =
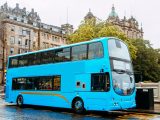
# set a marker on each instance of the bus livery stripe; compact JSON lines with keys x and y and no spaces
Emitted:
{"x":47,"y":94}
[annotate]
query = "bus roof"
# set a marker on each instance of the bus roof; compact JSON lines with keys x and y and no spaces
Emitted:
{"x":64,"y":46}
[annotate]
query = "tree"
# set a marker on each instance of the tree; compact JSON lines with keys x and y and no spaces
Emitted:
{"x":147,"y":60}
{"x":84,"y":33}
{"x":87,"y":31}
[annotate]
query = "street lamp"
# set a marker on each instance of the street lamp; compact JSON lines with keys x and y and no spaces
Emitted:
{"x":3,"y":61}
{"x":4,"y":51}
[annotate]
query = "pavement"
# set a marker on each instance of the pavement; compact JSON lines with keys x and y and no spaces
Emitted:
{"x":1,"y":89}
{"x":156,"y":109}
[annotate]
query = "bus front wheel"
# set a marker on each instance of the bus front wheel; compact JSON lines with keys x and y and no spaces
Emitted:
{"x":78,"y":106}
{"x":20,"y":101}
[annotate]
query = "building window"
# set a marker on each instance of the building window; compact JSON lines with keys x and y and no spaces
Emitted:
{"x":24,"y":32}
{"x":20,"y":51}
{"x":25,"y":21}
{"x":47,"y":45}
{"x":11,"y":50}
{"x":34,"y":44}
{"x":15,"y":18}
{"x":20,"y":31}
{"x":45,"y":36}
{"x":63,"y":40}
{"x":52,"y":45}
{"x":44,"y":45}
{"x":26,"y":42}
{"x":19,"y":41}
{"x":56,"y":39}
{"x":28,"y":32}
{"x":25,"y":51}
{"x":48,"y":36}
{"x":12,"y":28}
{"x":53,"y":38}
{"x":12,"y":39}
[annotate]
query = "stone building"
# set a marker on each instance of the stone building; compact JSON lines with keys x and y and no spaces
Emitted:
{"x":22,"y":31}
{"x":91,"y":18}
{"x":129,"y":26}
{"x":67,"y":28}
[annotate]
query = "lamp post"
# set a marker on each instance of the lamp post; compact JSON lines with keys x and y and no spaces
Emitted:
{"x":4,"y":52}
{"x":3,"y":61}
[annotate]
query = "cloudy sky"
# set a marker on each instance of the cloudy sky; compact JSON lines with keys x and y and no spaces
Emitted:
{"x":54,"y":12}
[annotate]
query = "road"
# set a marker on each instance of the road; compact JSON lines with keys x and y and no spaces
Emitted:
{"x":12,"y":112}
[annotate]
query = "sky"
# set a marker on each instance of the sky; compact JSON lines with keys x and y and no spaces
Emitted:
{"x":54,"y":12}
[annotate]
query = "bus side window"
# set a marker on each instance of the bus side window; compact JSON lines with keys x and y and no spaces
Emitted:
{"x":57,"y":83}
{"x":100,"y":82}
{"x":95,"y":50}
{"x":13,"y":62}
{"x":79,"y":52}
{"x":47,"y":57}
{"x":62,"y":55}
{"x":14,"y":84}
{"x":21,"y":83}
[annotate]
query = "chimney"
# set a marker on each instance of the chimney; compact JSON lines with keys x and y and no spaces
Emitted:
{"x":32,"y":10}
{"x":24,"y":9}
{"x":17,"y":5}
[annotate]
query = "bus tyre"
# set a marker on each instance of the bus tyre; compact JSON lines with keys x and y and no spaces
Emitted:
{"x":20,"y":101}
{"x":78,"y":106}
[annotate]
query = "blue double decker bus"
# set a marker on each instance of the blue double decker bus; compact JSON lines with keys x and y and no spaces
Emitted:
{"x":92,"y":75}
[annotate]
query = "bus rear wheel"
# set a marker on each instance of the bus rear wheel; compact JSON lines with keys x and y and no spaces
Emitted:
{"x":20,"y":101}
{"x":78,"y":106}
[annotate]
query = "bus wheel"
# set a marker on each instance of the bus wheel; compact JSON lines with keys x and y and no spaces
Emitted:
{"x":20,"y":100}
{"x":78,"y":106}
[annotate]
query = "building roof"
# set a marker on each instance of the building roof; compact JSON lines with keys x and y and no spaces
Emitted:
{"x":89,"y":15}
{"x":113,"y":12}
{"x":31,"y":19}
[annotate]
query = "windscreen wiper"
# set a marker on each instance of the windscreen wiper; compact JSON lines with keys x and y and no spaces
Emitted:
{"x":119,"y":71}
{"x":129,"y":73}
{"x":123,"y":71}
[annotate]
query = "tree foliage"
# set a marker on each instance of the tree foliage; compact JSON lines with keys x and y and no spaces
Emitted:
{"x":89,"y":30}
{"x":145,"y":59}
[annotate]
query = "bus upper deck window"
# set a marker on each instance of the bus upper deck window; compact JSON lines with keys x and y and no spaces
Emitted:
{"x":95,"y":50}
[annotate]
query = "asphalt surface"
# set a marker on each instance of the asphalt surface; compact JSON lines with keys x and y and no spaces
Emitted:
{"x":12,"y":112}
